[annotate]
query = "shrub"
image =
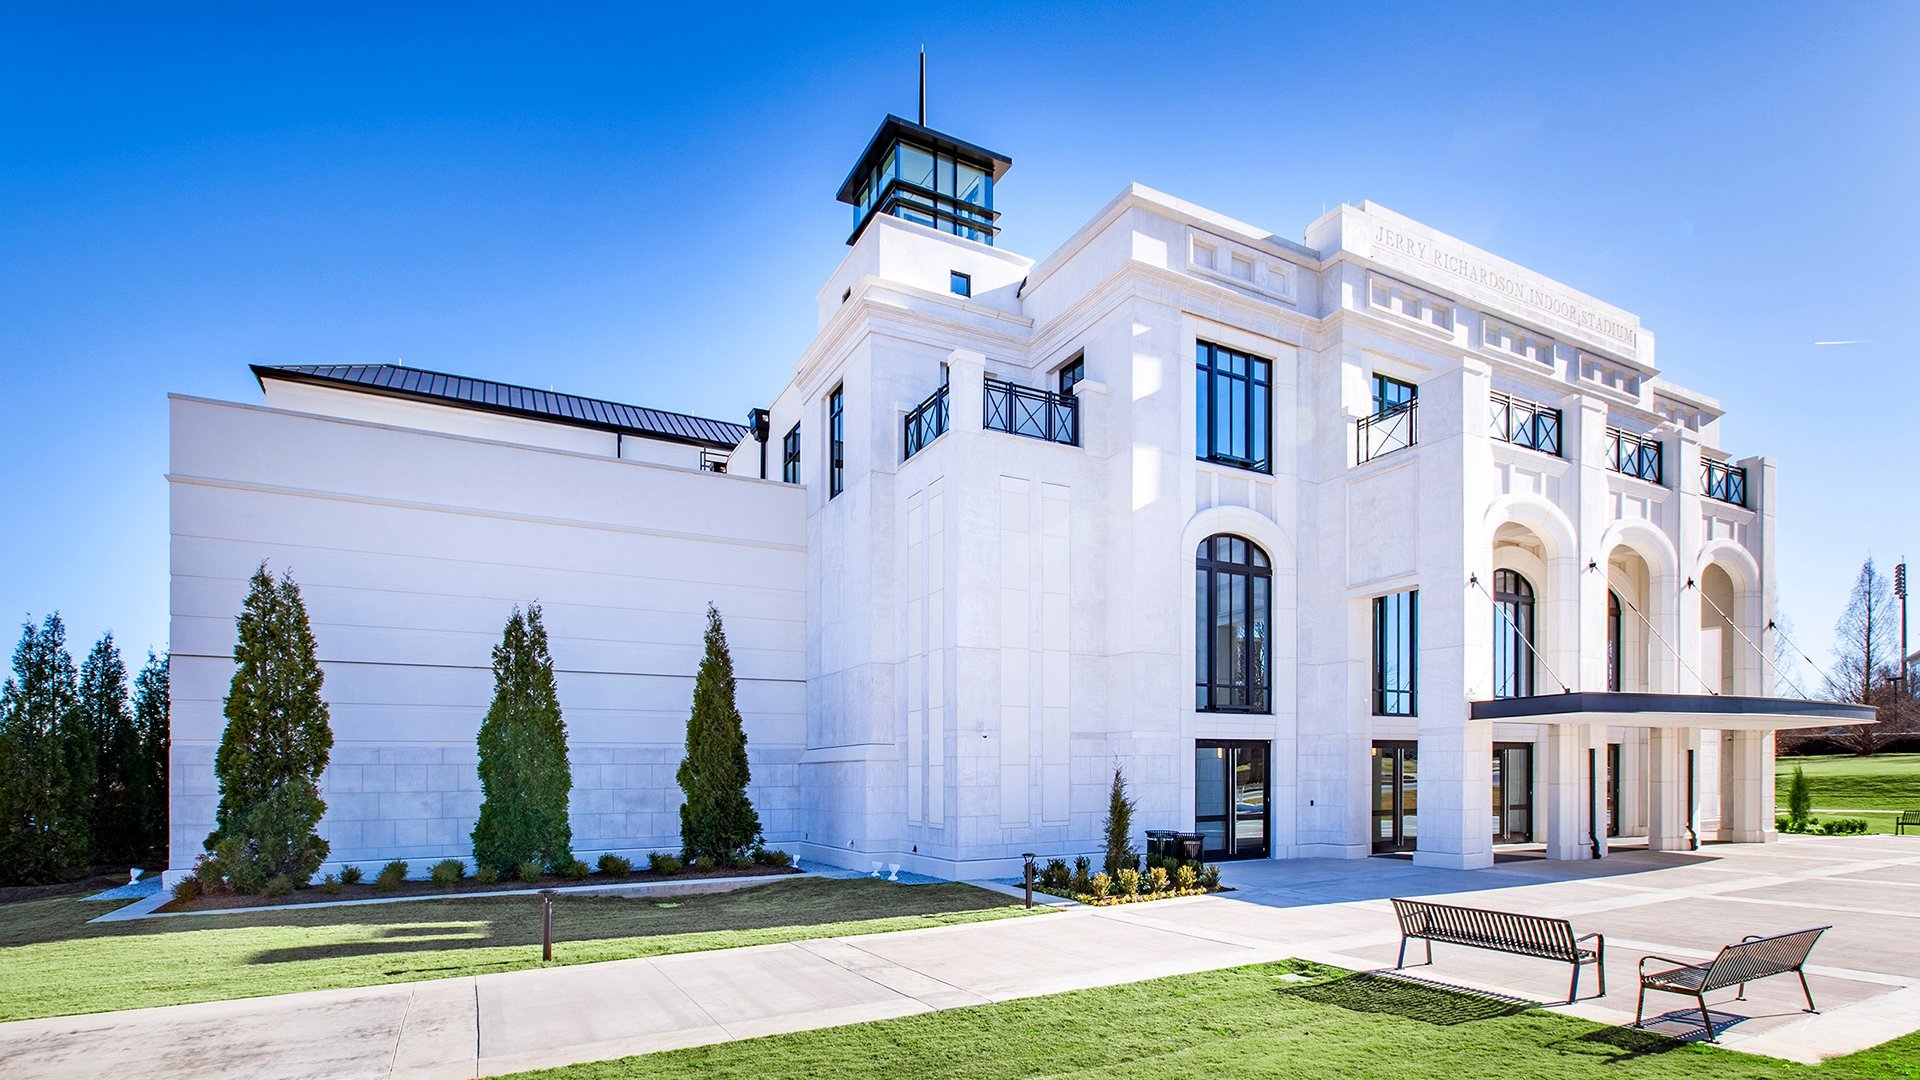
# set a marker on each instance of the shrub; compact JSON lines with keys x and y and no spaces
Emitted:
{"x":1186,"y":878}
{"x":528,"y":871}
{"x":614,"y":866}
{"x":769,"y":857}
{"x":487,"y":875}
{"x":1119,"y":827}
{"x":331,"y":884}
{"x":1843,"y":826}
{"x":208,"y":876}
{"x":350,"y":875}
{"x":717,"y":819}
{"x":1800,"y":800}
{"x":449,"y":872}
{"x":390,"y":876}
{"x":525,"y":780}
{"x":1210,"y":878}
{"x":277,"y":886}
{"x":576,"y":870}
{"x":662,"y":863}
{"x":743,"y":862}
{"x":1157,"y":879}
{"x":1099,"y":885}
{"x":186,"y":889}
{"x":704,"y":864}
{"x":1079,"y":884}
{"x":1054,"y":876}
{"x":1128,"y":879}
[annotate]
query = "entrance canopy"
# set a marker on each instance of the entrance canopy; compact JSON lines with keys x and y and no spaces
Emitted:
{"x":1717,"y":711}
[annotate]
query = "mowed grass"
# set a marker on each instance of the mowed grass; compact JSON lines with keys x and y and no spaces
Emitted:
{"x":53,"y":963}
{"x":1242,"y":1022}
{"x":1884,"y":782}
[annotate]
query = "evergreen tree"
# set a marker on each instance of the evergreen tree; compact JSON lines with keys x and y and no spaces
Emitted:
{"x":152,"y":700}
{"x":1799,"y":800}
{"x":524,"y":776}
{"x":277,"y":739}
{"x":1119,"y":830}
{"x":40,"y":838}
{"x":717,"y":819}
{"x":119,"y":787}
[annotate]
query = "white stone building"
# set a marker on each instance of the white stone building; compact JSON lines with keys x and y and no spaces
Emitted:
{"x":1373,"y":542}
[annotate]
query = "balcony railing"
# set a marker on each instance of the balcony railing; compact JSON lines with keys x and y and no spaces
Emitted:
{"x":1384,"y":432}
{"x":713,"y":461}
{"x":927,"y":421}
{"x":1525,"y":423}
{"x":1035,"y":413}
{"x":1719,"y":480}
{"x":1634,"y":455}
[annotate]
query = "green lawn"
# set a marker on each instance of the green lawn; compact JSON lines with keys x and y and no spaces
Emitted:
{"x":1244,"y":1022}
{"x":53,"y":963}
{"x":1886,"y":782}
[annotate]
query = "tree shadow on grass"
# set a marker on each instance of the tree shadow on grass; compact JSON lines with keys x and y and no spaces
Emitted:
{"x":1370,"y":992}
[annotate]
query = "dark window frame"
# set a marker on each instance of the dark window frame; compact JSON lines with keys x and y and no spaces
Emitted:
{"x":790,"y":455}
{"x":1071,"y":373}
{"x":836,"y":441}
{"x":1402,"y":698}
{"x":1385,"y":393}
{"x":1616,"y":627}
{"x":960,"y":284}
{"x":1251,"y":582}
{"x":1517,"y":630}
{"x":1213,"y":365}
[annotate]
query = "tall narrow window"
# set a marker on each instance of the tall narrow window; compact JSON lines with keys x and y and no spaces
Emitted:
{"x":1234,"y":407}
{"x":1614,"y":665}
{"x":1072,"y":373}
{"x":790,"y":456}
{"x":1395,"y":639}
{"x":1232,"y":596}
{"x":1513,"y":642}
{"x":836,"y":442}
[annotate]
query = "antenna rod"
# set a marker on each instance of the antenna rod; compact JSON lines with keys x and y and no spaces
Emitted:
{"x":923,"y":86}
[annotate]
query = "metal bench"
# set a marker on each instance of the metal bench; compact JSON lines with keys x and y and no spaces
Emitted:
{"x":1503,"y":931}
{"x":1909,"y":819}
{"x":1752,"y":958}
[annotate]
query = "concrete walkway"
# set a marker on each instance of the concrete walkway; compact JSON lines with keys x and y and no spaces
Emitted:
{"x":1866,"y":975}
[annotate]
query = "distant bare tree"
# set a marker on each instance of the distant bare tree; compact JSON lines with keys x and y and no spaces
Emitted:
{"x":1866,"y":660}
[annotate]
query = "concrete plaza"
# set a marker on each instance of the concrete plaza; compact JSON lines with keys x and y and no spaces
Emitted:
{"x":1865,"y":973}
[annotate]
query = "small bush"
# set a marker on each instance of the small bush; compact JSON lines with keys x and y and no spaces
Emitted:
{"x":768,"y":857}
{"x":208,"y":876}
{"x":1054,"y":876}
{"x":576,"y":870}
{"x":350,"y":875}
{"x":331,"y":884}
{"x":187,"y":888}
{"x":528,"y":872}
{"x":1186,"y":879}
{"x":448,"y":872}
{"x":662,"y":863}
{"x":1128,"y":879}
{"x":1846,"y":826}
{"x":1099,"y":885}
{"x":743,"y":862}
{"x":1081,"y":866}
{"x":1210,"y":878}
{"x":614,"y":866}
{"x":704,"y":864}
{"x":390,"y":876}
{"x":277,"y":886}
{"x":487,"y":875}
{"x":1157,"y":879}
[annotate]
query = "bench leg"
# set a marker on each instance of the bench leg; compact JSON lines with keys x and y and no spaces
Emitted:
{"x":1573,"y":989}
{"x":1429,"y":952}
{"x":1640,"y":1009}
{"x":1807,"y":990}
{"x":1706,"y":1018}
{"x":1403,"y":955}
{"x":1742,"y":995}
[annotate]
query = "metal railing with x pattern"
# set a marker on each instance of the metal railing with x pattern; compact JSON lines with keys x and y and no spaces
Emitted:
{"x":1034,"y":413}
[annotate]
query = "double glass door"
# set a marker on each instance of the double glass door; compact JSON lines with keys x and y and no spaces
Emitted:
{"x":1396,"y":802}
{"x":1230,"y":806}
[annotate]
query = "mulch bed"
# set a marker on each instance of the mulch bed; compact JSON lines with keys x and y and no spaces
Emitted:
{"x":423,"y":887}
{"x":98,"y":880}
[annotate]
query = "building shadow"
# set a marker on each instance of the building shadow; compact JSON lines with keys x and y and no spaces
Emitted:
{"x":1439,"y":1004}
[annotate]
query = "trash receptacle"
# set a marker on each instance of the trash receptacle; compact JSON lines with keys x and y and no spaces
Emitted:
{"x":1190,"y":845}
{"x":1163,"y":843}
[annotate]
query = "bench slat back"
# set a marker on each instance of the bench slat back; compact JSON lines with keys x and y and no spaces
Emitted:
{"x":1751,"y":960}
{"x":1532,"y":935}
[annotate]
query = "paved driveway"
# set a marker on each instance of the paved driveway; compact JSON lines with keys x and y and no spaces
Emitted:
{"x":1866,"y":972}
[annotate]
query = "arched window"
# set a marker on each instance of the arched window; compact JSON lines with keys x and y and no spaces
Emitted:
{"x":1512,"y":635}
{"x":1614,"y":665}
{"x":1232,"y":597}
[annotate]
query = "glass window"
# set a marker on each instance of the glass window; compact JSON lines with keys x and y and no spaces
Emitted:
{"x":961,"y":284}
{"x":1232,"y":600}
{"x":1071,"y":374}
{"x":1234,"y":407}
{"x":916,"y":166}
{"x":836,"y":442}
{"x":1395,"y":637}
{"x":973,"y":186}
{"x":790,"y":456}
{"x":943,"y":175}
{"x":1512,"y":635}
{"x":1390,"y":394}
{"x":1613,"y":641}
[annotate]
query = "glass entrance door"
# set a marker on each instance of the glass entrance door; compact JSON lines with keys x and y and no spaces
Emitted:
{"x":1230,"y":806}
{"x":1613,"y":789}
{"x":1396,"y":803}
{"x":1512,"y":793}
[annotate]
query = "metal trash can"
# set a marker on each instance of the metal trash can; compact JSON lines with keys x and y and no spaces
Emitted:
{"x":1163,"y":843}
{"x":1190,"y":845}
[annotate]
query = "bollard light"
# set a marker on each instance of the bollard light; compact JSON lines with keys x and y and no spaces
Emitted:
{"x":546,"y":924}
{"x":1029,"y":856}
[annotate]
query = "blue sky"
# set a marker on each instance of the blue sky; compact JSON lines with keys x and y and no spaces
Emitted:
{"x":591,"y":200}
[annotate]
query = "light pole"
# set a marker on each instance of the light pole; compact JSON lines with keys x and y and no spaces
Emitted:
{"x":1900,"y":590}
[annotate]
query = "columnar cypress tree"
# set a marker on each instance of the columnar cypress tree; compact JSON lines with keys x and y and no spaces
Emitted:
{"x":524,"y":776}
{"x":277,"y":738}
{"x":152,"y":700}
{"x":717,"y":820}
{"x":41,"y":839}
{"x":1120,"y":853}
{"x":120,"y":785}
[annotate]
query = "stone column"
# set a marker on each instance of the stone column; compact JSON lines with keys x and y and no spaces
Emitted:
{"x":1746,"y":787}
{"x":1669,"y":808}
{"x":1573,"y":801}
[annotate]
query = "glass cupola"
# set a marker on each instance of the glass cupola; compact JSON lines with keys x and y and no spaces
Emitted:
{"x":914,"y":172}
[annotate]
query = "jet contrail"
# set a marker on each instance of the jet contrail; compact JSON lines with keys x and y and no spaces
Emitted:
{"x":1861,"y":341}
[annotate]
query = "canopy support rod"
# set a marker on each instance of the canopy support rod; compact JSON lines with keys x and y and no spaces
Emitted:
{"x":1658,"y":636}
{"x":1474,"y":580}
